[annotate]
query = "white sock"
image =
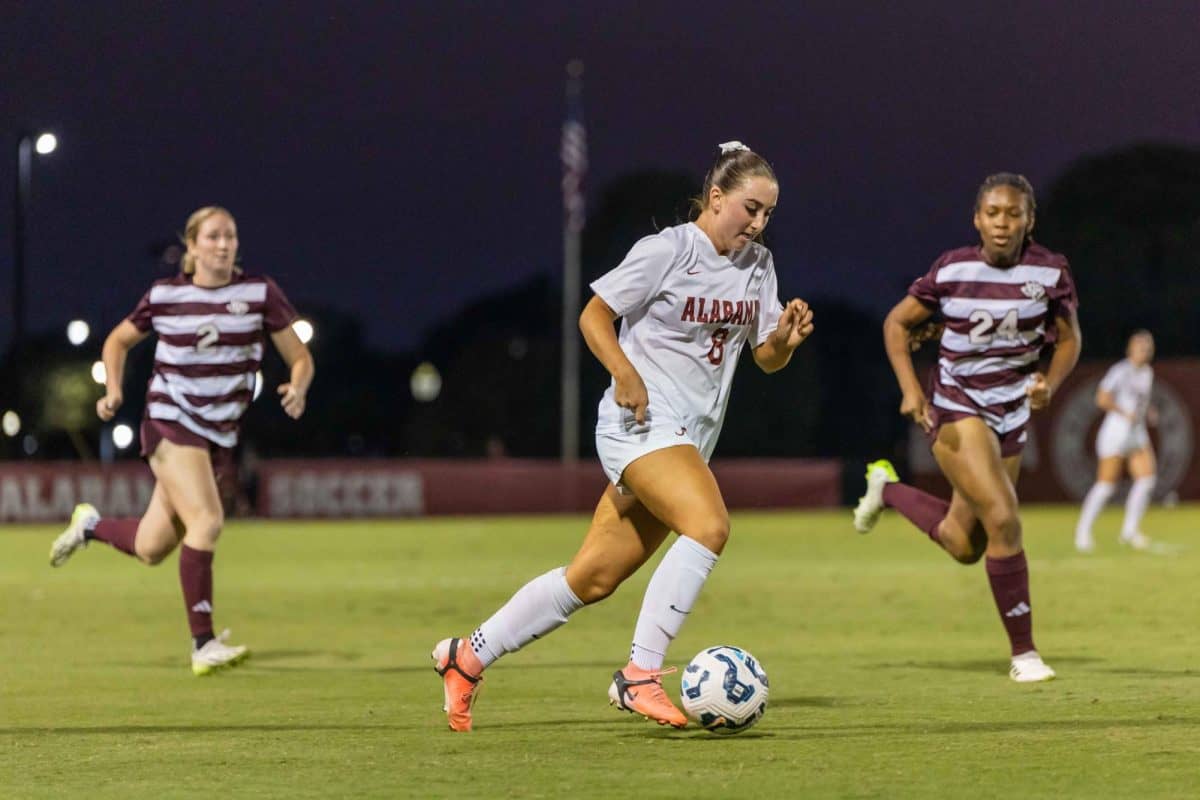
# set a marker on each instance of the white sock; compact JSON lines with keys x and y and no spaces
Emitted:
{"x":1097,"y":496}
{"x":537,"y":608}
{"x":1135,"y":505}
{"x":673,"y":590}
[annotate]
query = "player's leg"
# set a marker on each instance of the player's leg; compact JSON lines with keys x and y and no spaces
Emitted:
{"x":960,"y":533}
{"x":159,"y":531}
{"x":149,"y":538}
{"x":678,"y":488}
{"x":952,"y":526}
{"x":1142,"y":469}
{"x":622,"y":535}
{"x":186,"y":476}
{"x":1108,"y":472}
{"x":970,"y":457}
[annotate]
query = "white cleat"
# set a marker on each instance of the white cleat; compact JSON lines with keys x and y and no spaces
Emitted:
{"x":1029,"y":668}
{"x":1138,"y":541}
{"x":83,"y":519}
{"x":879,"y":474}
{"x":1085,"y":546}
{"x":216,"y":655}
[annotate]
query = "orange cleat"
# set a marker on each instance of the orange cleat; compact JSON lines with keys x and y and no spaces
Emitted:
{"x":640,"y":691}
{"x":461,"y":673}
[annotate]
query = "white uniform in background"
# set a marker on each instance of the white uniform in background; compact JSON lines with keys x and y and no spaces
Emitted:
{"x":1130,"y":387}
{"x":686,"y":312}
{"x":1120,"y":436}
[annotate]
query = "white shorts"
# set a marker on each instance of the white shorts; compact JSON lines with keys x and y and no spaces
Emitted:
{"x":618,"y":450}
{"x":1117,"y":437}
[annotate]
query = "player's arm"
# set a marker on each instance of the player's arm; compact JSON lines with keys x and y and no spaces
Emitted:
{"x":1066,"y":356}
{"x":300,"y":363}
{"x":596,"y":325}
{"x":907,"y":315}
{"x":795,"y":325}
{"x":1106,"y":400}
{"x":116,"y":349}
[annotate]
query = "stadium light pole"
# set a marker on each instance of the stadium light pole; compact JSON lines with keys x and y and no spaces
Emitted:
{"x":27,"y":144}
{"x":574,"y":162}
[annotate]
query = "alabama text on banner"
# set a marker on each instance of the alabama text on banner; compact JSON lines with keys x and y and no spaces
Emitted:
{"x":46,"y":491}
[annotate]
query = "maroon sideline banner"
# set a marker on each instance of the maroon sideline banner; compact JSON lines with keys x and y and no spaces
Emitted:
{"x":1059,"y":461}
{"x":387,"y":488}
{"x":47,"y":491}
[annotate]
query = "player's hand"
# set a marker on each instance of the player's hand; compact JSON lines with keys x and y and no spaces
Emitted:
{"x":630,"y":392}
{"x":291,"y":400}
{"x":1038,"y":391}
{"x":795,"y":324}
{"x":916,"y":408}
{"x":106,"y":407}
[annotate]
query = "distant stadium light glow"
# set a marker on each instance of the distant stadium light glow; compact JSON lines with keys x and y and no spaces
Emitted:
{"x":122,"y":436}
{"x":46,"y":144}
{"x":78,"y":332}
{"x":303,"y":329}
{"x":99,"y":373}
{"x":258,"y":382}
{"x":426,"y":382}
{"x":29,"y":444}
{"x":11,"y":423}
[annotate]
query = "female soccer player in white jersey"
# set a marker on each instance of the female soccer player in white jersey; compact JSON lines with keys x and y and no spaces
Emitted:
{"x":1001,"y":302}
{"x":212,"y":321}
{"x":689,"y":298}
{"x":1124,"y":395}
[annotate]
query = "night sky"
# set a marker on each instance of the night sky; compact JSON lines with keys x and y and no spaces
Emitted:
{"x":397,"y":160}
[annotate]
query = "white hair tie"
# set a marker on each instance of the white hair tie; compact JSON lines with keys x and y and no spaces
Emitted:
{"x":732,"y":147}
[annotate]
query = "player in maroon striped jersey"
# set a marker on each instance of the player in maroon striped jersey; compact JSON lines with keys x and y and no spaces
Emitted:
{"x":212,"y":322}
{"x":1001,"y":303}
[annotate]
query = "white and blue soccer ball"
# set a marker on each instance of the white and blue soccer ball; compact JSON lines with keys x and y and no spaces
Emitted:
{"x":724,"y":689}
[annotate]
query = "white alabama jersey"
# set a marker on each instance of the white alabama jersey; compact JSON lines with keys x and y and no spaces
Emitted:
{"x":687,"y":311}
{"x":1130,"y":387}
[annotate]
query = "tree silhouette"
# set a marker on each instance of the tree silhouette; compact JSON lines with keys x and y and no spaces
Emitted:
{"x":1129,"y":221}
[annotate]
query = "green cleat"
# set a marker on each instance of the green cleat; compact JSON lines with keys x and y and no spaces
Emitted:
{"x":217,"y":655}
{"x":74,"y":537}
{"x":879,"y":474}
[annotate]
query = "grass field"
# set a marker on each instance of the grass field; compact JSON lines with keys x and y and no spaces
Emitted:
{"x":887,"y":665}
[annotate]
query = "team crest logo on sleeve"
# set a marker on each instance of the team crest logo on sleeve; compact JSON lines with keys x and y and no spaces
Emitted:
{"x":238,"y":307}
{"x":1033,"y":290}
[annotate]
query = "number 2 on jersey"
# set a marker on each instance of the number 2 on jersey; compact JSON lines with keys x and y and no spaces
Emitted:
{"x":983,"y":333}
{"x":206,"y":337}
{"x":716,"y":352}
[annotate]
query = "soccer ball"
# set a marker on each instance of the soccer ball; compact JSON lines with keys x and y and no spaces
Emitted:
{"x":724,"y":689}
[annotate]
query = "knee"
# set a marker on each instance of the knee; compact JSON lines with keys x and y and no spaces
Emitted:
{"x":712,"y":532}
{"x":151,"y":549}
{"x":970,"y":555}
{"x":968,"y":549}
{"x":205,"y":528}
{"x":153,"y":558}
{"x":1003,"y":526}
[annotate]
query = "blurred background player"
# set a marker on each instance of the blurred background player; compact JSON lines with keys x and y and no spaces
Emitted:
{"x":1124,"y":395}
{"x":689,"y":298}
{"x":211,"y":322}
{"x":1001,"y":302}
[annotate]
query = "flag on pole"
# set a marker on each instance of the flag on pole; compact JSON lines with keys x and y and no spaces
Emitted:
{"x":574,"y":158}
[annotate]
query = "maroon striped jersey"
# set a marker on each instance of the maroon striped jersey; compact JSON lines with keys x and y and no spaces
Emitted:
{"x":996,"y":322}
{"x":210,"y":347}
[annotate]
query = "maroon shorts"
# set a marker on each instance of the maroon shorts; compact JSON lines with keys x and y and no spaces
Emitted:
{"x":1012,"y":443}
{"x":155,"y":430}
